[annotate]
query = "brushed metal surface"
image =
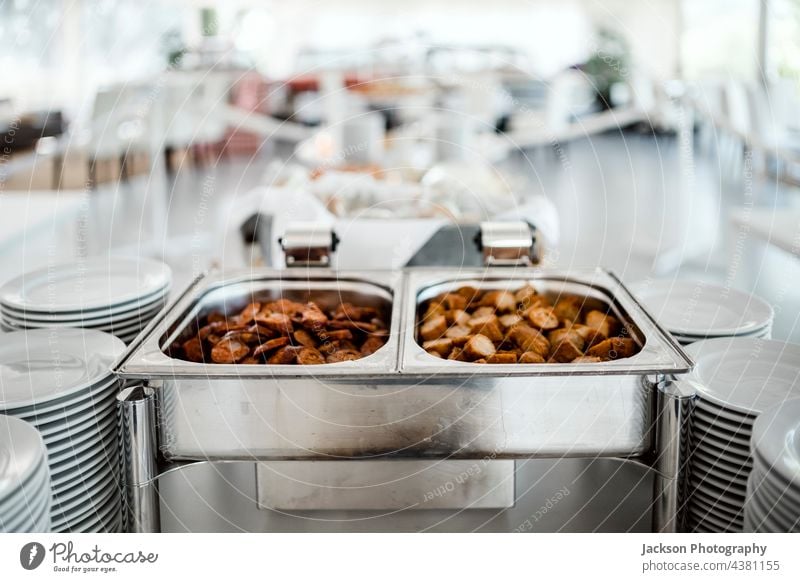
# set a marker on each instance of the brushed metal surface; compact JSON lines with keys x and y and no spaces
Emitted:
{"x":401,"y":484}
{"x":551,"y":495}
{"x":474,"y":417}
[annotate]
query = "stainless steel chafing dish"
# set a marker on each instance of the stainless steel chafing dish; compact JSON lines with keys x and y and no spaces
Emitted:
{"x":401,"y":402}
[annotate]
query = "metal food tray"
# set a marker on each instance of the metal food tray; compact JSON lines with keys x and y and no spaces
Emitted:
{"x":401,"y":402}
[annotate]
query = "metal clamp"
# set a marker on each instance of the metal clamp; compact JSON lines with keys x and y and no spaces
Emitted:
{"x":509,"y":243}
{"x":308,"y":244}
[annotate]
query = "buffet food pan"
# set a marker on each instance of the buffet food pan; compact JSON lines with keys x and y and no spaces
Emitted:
{"x":399,"y":401}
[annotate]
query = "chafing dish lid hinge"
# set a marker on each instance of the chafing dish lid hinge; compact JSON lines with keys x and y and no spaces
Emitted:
{"x":507,"y":243}
{"x":308,"y":244}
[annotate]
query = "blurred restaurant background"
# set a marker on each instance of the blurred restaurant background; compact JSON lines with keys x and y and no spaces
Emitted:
{"x":659,"y":139}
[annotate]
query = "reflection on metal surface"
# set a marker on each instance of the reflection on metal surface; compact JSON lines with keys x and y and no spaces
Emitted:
{"x":385,"y":485}
{"x":137,"y":432}
{"x":569,"y":495}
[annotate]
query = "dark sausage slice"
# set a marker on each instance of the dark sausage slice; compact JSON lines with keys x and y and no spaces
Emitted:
{"x":285,"y":355}
{"x":270,"y":345}
{"x":310,"y":357}
{"x":193,"y":350}
{"x":337,"y":334}
{"x":278,"y":322}
{"x":355,"y":325}
{"x":343,"y":356}
{"x":229,"y":351}
{"x":304,"y":338}
{"x":312,"y":317}
{"x":248,"y":314}
{"x":372,"y":344}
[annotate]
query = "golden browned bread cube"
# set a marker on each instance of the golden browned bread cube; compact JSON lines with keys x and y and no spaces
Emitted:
{"x":502,"y":358}
{"x":441,"y":346}
{"x":614,"y":348}
{"x":531,"y":358}
{"x":502,"y":301}
{"x":457,"y":317}
{"x":566,"y":334}
{"x":542,"y":318}
{"x":487,"y":325}
{"x":509,"y":320}
{"x":586,"y":360}
{"x":529,"y":339}
{"x":564,"y":352}
{"x":433,"y":328}
{"x":602,"y":322}
{"x":457,"y":331}
{"x":478,"y":346}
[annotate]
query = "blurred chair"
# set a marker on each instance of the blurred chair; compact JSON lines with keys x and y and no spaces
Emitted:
{"x":118,"y":130}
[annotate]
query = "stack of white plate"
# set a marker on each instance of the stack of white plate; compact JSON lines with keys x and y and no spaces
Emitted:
{"x":60,"y":381}
{"x":773,"y":490}
{"x":693,"y":311}
{"x":24,"y":478}
{"x":116,"y":295}
{"x":736,"y":379}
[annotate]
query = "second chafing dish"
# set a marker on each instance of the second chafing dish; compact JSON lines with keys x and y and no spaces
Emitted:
{"x":400,"y":401}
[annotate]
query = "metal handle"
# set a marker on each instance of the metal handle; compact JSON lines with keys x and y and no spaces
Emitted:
{"x":137,"y":422}
{"x":673,"y":405}
{"x":308,"y":244}
{"x":509,"y":243}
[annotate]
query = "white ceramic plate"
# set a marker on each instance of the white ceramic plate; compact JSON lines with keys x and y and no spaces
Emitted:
{"x":779,"y":482}
{"x":126,"y":319}
{"x":41,"y":365}
{"x":53,"y":410}
{"x":743,"y":430}
{"x":104,"y":519}
{"x":22,"y":452}
{"x":745,"y":375}
{"x":73,"y":463}
{"x":766,"y":519}
{"x":94,"y":506}
{"x":705,"y":502}
{"x":81,"y":496}
{"x":711,"y":453}
{"x":65,"y":484}
{"x":718,"y":475}
{"x":730,"y":415}
{"x":712,"y":521}
{"x":78,"y":438}
{"x":699,"y":309}
{"x":723,"y":439}
{"x":775,"y":494}
{"x":35,"y":486}
{"x":776,"y":438}
{"x":94,"y":284}
{"x":76,"y":424}
{"x":31,"y":513}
